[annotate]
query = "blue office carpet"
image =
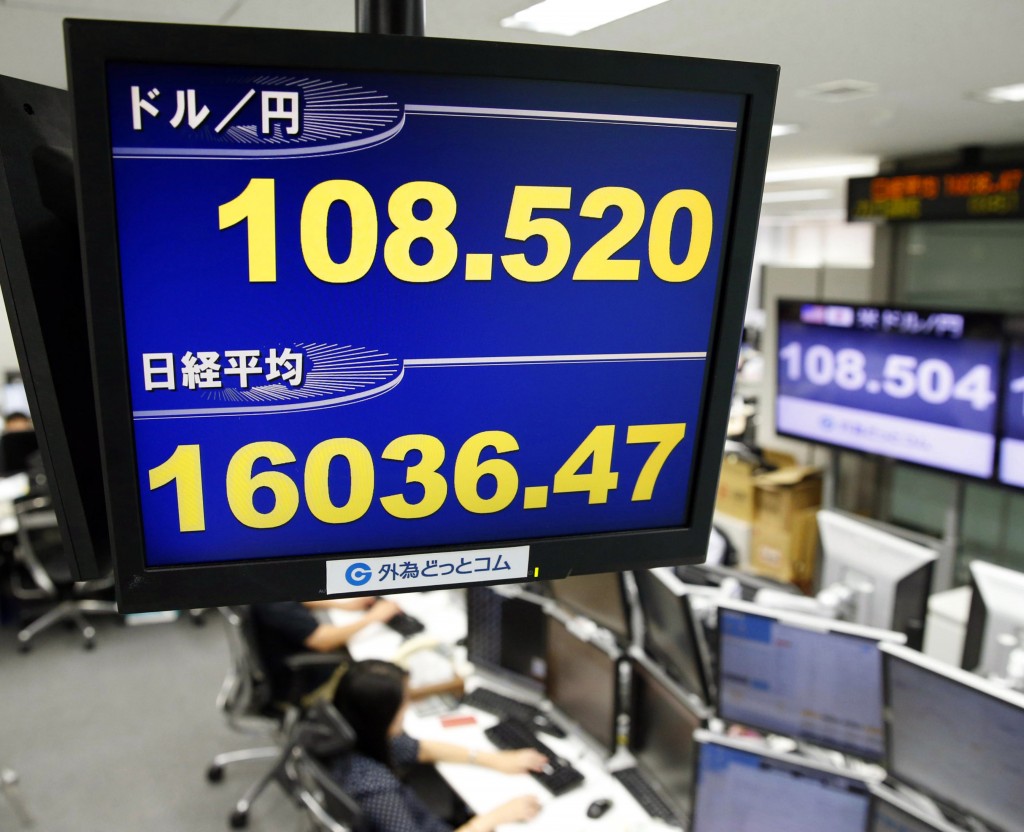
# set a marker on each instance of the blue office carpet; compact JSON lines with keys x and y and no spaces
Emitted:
{"x":118,"y":739}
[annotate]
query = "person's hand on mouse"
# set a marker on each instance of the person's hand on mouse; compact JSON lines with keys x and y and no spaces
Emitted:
{"x":521,"y":761}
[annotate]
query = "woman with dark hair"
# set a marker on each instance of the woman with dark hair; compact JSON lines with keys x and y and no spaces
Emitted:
{"x":373,"y":697}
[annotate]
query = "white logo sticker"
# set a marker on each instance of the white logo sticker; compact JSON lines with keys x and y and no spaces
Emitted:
{"x":434,"y":569}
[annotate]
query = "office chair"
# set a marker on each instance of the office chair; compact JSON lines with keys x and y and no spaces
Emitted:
{"x":247,"y":701}
{"x":319,"y":740}
{"x":39,"y":556}
{"x":16,"y":449}
{"x":8,"y":782}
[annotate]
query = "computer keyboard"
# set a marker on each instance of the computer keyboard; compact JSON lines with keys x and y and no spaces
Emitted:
{"x":645,"y":795}
{"x":558,"y":778}
{"x":504,"y":706}
{"x":405,"y":625}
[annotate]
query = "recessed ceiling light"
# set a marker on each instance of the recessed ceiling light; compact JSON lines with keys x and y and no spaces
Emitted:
{"x":784,"y":130}
{"x":843,"y":170}
{"x":808,"y":195}
{"x":1011,"y":94}
{"x":837,"y":92}
{"x":570,"y":17}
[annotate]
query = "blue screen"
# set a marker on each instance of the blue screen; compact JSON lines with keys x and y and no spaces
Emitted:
{"x":740,"y":789}
{"x":820,"y":687}
{"x":376,"y":311}
{"x":914,"y":386}
{"x":1011,"y":446}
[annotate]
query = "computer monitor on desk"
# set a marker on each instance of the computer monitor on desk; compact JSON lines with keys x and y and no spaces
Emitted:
{"x":956,"y":737}
{"x":815,"y":680}
{"x":874,"y":577}
{"x":994,"y":644}
{"x":740,"y":786}
{"x":892,"y":813}
{"x":661,"y":731}
{"x":670,"y":631}
{"x":506,"y":636}
{"x":601,"y":598}
{"x":583,"y":683}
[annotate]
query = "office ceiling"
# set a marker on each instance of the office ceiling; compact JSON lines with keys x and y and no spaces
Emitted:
{"x":926,"y":58}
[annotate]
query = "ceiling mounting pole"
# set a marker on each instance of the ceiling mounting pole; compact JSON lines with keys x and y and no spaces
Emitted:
{"x":390,"y":17}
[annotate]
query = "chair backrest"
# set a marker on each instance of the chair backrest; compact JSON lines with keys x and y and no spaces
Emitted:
{"x":246,"y":690}
{"x":15,"y":449}
{"x":318,"y":741}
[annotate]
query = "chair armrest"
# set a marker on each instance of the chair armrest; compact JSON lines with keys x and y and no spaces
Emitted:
{"x":304,"y":661}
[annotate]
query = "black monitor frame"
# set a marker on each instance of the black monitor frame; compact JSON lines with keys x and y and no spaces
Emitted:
{"x":620,"y":596}
{"x":526,"y":613}
{"x":677,"y":802}
{"x":702,"y":685}
{"x":41,"y":280}
{"x":91,"y":44}
{"x":609,"y":742}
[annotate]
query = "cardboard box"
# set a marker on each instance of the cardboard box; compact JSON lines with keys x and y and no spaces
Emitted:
{"x":781,"y":495}
{"x":736,"y":489}
{"x":787,"y":554}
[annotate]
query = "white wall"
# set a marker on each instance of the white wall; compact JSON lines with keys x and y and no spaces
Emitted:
{"x":809,"y":242}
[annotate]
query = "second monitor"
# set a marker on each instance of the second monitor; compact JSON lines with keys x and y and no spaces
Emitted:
{"x":583,"y":683}
{"x":814,"y":680}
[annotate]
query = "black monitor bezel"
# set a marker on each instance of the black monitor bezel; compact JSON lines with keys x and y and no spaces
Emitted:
{"x":651,"y":670}
{"x":91,"y":44}
{"x":623,"y":638}
{"x":704,"y":673}
{"x":69,"y":473}
{"x":995,"y":319}
{"x":617,"y":704}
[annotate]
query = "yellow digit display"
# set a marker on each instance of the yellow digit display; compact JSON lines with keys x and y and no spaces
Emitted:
{"x":481,"y":465}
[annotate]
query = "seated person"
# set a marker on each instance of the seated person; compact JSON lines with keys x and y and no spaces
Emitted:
{"x":288,"y":628}
{"x":17,"y":421}
{"x":373,"y":697}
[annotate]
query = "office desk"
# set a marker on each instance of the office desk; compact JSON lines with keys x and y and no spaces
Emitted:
{"x":484,"y":789}
{"x":441,"y":611}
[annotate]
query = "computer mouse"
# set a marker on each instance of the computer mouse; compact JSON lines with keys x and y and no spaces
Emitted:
{"x":598,"y":807}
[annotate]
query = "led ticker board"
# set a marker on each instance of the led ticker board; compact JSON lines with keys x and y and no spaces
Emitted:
{"x":915,"y":385}
{"x":991,"y":193}
{"x":374,"y":314}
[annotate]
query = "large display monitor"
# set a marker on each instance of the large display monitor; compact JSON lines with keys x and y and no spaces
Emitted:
{"x":583,"y":683}
{"x":41,"y":280}
{"x":917,"y":385}
{"x":995,"y":625}
{"x":601,"y":598}
{"x":661,"y":730}
{"x":372,"y":314}
{"x":742,"y":786}
{"x":670,"y":630}
{"x":956,"y":737}
{"x":1011,"y":441}
{"x":815,"y":680}
{"x":873,"y":577}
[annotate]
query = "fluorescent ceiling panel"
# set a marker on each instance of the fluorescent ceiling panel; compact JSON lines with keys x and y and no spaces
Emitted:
{"x":570,"y":17}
